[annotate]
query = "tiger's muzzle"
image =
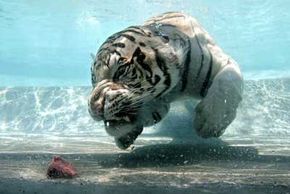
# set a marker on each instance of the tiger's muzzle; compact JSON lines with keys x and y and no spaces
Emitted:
{"x":111,"y":103}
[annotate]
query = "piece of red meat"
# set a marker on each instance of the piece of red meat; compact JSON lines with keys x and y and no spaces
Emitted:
{"x":59,"y":168}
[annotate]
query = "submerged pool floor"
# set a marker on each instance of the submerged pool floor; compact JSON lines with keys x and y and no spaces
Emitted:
{"x":226,"y":166}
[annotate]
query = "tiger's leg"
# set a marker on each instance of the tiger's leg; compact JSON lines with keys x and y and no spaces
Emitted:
{"x":150,"y":114}
{"x":218,"y":108}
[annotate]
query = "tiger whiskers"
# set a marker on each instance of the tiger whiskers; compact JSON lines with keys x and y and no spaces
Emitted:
{"x":131,"y":101}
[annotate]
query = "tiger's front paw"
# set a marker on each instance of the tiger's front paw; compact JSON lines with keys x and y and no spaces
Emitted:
{"x":212,"y":119}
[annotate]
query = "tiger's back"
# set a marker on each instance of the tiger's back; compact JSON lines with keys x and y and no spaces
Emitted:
{"x":201,"y":56}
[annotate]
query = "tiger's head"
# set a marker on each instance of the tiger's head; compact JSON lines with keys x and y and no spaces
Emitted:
{"x":127,"y":73}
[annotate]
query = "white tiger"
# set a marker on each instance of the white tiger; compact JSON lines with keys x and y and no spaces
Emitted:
{"x":139,"y":71}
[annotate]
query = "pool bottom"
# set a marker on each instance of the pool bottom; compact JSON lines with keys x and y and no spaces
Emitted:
{"x":209,"y":167}
{"x":12,"y":186}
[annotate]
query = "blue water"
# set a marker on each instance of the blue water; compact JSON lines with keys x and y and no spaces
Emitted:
{"x":44,"y":43}
{"x":49,"y":44}
{"x":45,"y":63}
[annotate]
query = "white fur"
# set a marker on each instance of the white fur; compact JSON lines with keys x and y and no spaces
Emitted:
{"x":218,"y":108}
{"x":208,"y":64}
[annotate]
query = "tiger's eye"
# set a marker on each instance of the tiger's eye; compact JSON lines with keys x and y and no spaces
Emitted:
{"x":122,"y":60}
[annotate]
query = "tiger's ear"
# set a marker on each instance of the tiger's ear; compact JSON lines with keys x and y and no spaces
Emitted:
{"x":92,"y":56}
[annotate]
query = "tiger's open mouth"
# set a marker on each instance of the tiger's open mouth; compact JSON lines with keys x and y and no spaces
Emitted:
{"x":115,"y":124}
{"x":118,"y":128}
{"x":124,"y":132}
